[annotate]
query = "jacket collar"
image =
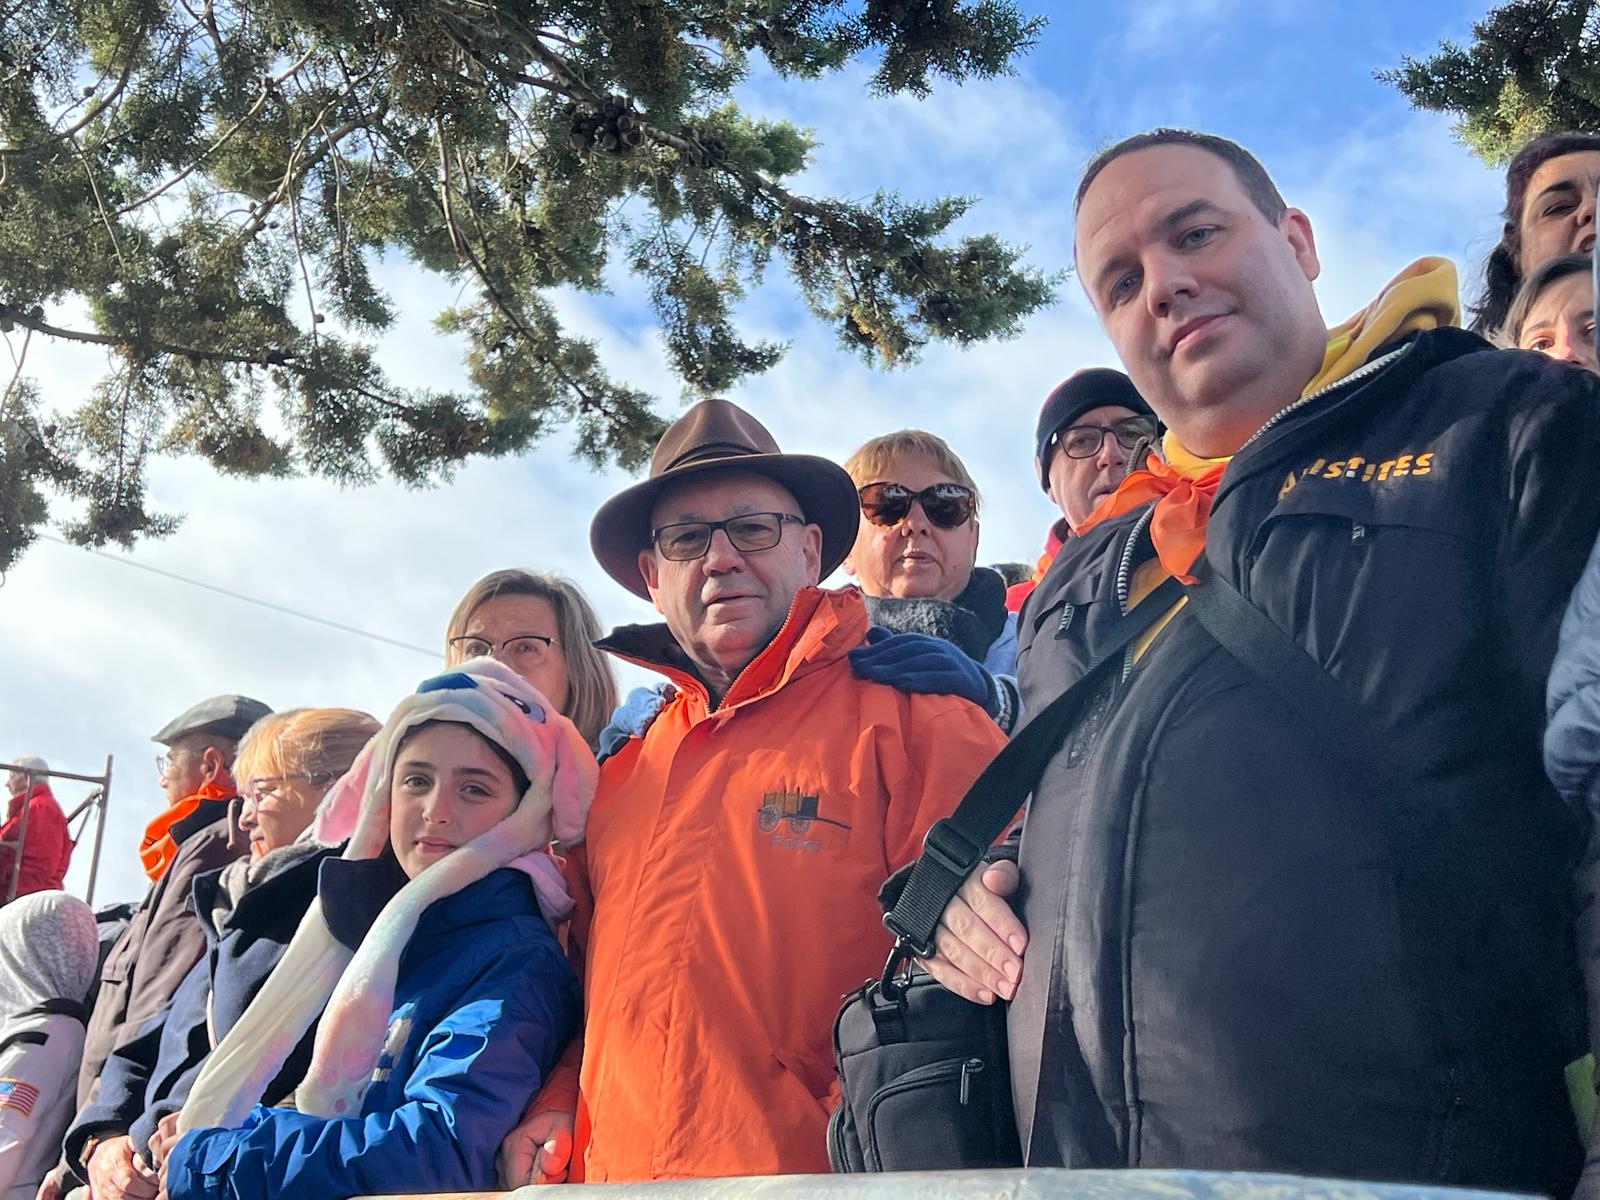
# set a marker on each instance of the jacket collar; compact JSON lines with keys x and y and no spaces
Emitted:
{"x":269,"y":881}
{"x":354,"y":891}
{"x":821,"y":626}
{"x":1353,"y":396}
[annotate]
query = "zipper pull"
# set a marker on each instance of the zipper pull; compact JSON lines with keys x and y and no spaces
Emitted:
{"x":968,"y":1069}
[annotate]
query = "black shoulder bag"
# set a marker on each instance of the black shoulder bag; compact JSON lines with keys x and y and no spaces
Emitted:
{"x":925,"y":1078}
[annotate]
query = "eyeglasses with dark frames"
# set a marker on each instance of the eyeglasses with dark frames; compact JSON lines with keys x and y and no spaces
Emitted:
{"x":947,"y":505}
{"x":1084,"y":441}
{"x":749,"y":533}
{"x":528,"y":649}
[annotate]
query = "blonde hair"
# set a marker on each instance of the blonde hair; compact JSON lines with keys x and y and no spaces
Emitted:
{"x":873,"y":461}
{"x":591,"y":685}
{"x":319,"y":742}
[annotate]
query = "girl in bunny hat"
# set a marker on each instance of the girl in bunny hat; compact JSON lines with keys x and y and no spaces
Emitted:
{"x":429,"y":955}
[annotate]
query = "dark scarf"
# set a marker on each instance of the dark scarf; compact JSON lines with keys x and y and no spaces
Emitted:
{"x":972,"y":621}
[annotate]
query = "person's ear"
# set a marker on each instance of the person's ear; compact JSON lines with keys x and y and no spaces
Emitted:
{"x":650,"y":570}
{"x":811,"y":551}
{"x":212,"y":768}
{"x":1296,"y":227}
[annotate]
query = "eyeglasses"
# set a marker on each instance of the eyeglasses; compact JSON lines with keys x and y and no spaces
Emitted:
{"x":164,"y":761}
{"x":749,"y":532}
{"x":524,"y":649}
{"x":1084,"y":441}
{"x":264,"y":787}
{"x":947,"y":505}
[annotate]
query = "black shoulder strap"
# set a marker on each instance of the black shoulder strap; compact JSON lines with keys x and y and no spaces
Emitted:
{"x":25,"y":1037}
{"x":1288,"y":669}
{"x":58,"y":1007}
{"x":954,"y":845}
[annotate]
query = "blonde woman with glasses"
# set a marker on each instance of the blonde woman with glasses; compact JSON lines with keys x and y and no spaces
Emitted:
{"x":544,"y":629}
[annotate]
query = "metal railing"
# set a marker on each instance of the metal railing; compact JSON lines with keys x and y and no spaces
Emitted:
{"x":1020,"y":1184}
{"x":91,"y":807}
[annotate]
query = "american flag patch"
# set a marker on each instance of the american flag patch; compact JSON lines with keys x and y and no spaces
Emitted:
{"x":18,"y":1095}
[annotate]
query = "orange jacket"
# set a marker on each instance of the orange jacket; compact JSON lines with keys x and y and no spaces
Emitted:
{"x":726,"y":895}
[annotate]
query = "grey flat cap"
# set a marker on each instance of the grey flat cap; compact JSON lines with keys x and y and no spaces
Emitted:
{"x":224,"y":716}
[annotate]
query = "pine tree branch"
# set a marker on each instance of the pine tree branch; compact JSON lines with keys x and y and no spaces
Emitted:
{"x":266,"y":94}
{"x":26,"y":318}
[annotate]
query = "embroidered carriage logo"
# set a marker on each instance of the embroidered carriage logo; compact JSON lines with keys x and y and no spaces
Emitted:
{"x":17,"y":1095}
{"x":788,"y":816}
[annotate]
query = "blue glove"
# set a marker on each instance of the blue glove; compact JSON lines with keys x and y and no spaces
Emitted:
{"x":634,"y":717}
{"x":921,"y":665}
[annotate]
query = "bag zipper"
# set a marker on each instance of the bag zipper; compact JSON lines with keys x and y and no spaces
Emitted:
{"x":950,"y":1068}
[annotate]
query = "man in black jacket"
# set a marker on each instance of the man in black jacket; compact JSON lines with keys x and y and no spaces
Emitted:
{"x":1246,"y":947}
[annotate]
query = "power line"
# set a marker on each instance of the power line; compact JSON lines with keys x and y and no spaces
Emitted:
{"x":256,"y":600}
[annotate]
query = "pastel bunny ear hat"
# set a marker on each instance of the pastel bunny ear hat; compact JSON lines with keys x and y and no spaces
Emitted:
{"x":354,"y":993}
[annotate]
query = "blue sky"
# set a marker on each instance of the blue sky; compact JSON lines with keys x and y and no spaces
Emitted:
{"x":96,"y":656}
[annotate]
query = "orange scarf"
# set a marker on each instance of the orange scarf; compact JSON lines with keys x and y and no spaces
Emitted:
{"x":1421,"y":297}
{"x":158,"y":848}
{"x":1183,"y":506}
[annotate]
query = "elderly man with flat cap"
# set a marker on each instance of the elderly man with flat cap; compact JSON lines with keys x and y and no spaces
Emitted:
{"x":726,"y":885}
{"x":189,"y":837}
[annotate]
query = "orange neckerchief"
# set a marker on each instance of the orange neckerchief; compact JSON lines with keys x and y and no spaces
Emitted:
{"x":158,"y":849}
{"x":1423,"y":296}
{"x":1183,"y":506}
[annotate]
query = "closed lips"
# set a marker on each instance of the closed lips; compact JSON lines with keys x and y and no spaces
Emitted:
{"x":1191,"y":326}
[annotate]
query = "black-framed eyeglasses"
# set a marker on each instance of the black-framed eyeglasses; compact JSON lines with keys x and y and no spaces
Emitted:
{"x":749,"y":533}
{"x":1084,"y":441}
{"x":527,"y":649}
{"x":947,"y":505}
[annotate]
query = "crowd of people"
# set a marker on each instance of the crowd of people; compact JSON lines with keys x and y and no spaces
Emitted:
{"x":1326,"y":909}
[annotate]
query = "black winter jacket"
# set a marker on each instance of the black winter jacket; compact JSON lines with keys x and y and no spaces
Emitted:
{"x":1258,"y":960}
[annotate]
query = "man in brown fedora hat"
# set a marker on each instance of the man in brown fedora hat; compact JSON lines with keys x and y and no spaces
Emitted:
{"x":726,"y":886}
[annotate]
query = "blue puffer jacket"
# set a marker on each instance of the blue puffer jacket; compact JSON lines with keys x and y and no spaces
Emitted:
{"x":1572,"y":737}
{"x":484,"y":1004}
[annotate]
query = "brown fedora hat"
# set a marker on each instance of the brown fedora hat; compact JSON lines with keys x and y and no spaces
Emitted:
{"x":716,"y":435}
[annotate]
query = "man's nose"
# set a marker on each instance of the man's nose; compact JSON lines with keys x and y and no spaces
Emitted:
{"x":1111,"y":452}
{"x":1169,"y":280}
{"x":721,"y":555}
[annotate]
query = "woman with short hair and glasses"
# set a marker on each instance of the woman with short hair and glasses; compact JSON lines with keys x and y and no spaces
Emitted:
{"x":544,"y":629}
{"x":247,"y":910}
{"x":915,"y":555}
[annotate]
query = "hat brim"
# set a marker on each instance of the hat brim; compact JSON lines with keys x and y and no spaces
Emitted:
{"x":826,"y":494}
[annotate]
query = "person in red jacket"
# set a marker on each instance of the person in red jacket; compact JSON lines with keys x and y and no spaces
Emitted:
{"x":46,"y":846}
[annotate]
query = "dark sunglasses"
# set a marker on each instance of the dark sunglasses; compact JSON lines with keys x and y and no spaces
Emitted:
{"x":1084,"y":441}
{"x":947,"y":505}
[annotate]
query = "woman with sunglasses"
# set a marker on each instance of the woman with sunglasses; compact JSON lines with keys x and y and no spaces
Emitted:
{"x":915,"y":557}
{"x":248,"y":911}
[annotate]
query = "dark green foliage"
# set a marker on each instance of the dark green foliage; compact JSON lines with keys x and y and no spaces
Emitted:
{"x":212,"y":181}
{"x":1533,"y":67}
